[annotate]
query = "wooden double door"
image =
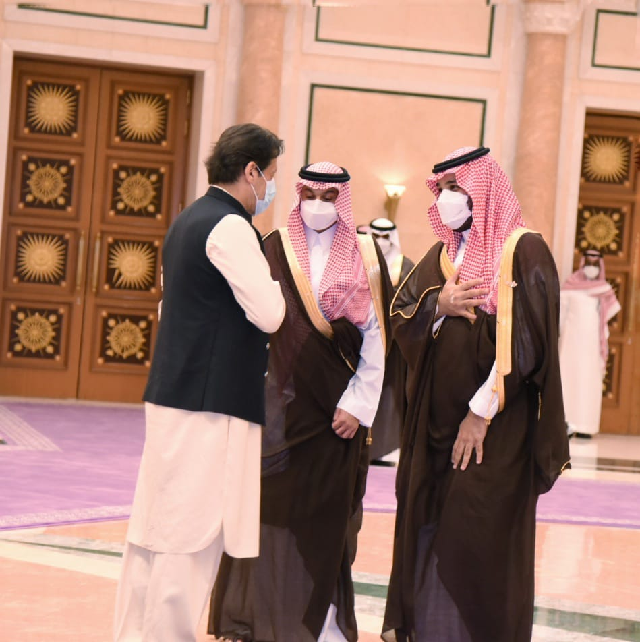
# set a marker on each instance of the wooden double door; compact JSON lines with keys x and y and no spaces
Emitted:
{"x":95,"y":172}
{"x":608,"y":220}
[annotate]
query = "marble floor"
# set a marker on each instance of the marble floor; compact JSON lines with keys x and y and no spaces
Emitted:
{"x":58,"y":583}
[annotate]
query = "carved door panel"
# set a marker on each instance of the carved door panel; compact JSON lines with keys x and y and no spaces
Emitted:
{"x":47,"y":213}
{"x":608,"y":221}
{"x":139,"y":181}
{"x":96,"y":170}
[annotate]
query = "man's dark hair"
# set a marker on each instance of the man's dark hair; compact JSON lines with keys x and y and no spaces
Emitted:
{"x":237,"y":147}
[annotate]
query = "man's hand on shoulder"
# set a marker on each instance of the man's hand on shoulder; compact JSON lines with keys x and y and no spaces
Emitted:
{"x":471,"y":434}
{"x":344,"y":424}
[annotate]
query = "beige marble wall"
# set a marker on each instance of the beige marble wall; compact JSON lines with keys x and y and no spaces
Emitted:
{"x":424,"y":27}
{"x":110,"y":38}
{"x":539,"y":133}
{"x":617,"y":40}
{"x":261,"y":64}
{"x":393,"y":146}
{"x":260,"y":82}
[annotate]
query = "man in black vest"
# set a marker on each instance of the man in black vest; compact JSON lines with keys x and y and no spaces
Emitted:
{"x":198,"y":491}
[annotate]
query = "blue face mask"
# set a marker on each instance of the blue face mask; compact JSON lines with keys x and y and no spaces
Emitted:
{"x":269,"y":195}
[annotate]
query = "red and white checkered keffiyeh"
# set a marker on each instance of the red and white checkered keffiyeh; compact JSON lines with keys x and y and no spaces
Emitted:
{"x":496,"y":213}
{"x":344,"y":288}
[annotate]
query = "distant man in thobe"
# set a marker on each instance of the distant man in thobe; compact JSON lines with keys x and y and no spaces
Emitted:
{"x":386,"y":234}
{"x":388,"y":422}
{"x":587,"y":304}
{"x":198,"y":491}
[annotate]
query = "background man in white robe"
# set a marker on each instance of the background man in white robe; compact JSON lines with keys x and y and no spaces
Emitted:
{"x":587,"y":304}
{"x":387,"y":236}
{"x":385,"y":449}
{"x":198,"y":491}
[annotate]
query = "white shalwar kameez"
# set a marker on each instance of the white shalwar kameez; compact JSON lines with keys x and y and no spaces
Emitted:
{"x":581,"y":366}
{"x":198,"y":490}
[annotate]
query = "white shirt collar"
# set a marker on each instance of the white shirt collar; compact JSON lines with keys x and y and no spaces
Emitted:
{"x":461,"y":248}
{"x":324,"y":240}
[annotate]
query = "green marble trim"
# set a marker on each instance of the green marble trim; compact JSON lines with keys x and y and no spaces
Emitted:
{"x":596,"y":26}
{"x":28,"y":6}
{"x":71,"y":549}
{"x":374,"y":45}
{"x":606,"y":463}
{"x":371,"y":590}
{"x":613,"y":628}
{"x":603,"y":626}
{"x":314,"y":86}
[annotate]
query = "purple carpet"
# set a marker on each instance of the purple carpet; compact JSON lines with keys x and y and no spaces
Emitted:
{"x":574,"y":501}
{"x":67,"y":463}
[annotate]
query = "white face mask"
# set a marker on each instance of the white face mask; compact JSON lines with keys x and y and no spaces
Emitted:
{"x":317,"y":214}
{"x":453,"y":208}
{"x":592,"y":272}
{"x":269,"y":195}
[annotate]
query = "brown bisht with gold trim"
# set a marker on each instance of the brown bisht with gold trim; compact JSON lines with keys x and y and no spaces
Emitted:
{"x":312,"y":480}
{"x":463,"y":567}
{"x":387,"y":426}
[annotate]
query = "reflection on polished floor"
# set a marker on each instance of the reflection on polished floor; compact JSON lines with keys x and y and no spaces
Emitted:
{"x":58,"y":583}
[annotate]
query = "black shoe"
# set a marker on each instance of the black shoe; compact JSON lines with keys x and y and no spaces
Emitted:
{"x":582,"y":435}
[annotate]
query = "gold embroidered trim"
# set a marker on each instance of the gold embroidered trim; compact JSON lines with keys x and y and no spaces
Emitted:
{"x":415,"y":309}
{"x":372,"y":266}
{"x":504,"y":320}
{"x":395,"y":270}
{"x":564,"y":466}
{"x":539,"y":405}
{"x":446,"y":265}
{"x":406,"y":278}
{"x":304,"y":287}
{"x":347,"y":361}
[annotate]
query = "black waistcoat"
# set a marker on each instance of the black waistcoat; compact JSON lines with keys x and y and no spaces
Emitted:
{"x":208,"y":356}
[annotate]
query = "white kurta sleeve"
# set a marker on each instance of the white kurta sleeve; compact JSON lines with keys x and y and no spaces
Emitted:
{"x":485,"y":402}
{"x":233,"y":248}
{"x":362,"y":395}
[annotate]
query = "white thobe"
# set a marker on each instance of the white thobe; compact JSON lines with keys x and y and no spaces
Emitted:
{"x":485,"y":402}
{"x":581,"y":366}
{"x":362,"y":394}
{"x":198,"y":490}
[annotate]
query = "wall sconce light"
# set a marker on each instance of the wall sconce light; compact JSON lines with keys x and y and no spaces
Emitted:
{"x":394,"y":192}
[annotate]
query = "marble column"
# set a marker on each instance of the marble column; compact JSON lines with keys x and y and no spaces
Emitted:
{"x":260,"y":82}
{"x":546,"y":26}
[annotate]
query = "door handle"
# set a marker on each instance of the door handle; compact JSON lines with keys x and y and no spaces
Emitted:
{"x":96,"y":262}
{"x":80,"y":266}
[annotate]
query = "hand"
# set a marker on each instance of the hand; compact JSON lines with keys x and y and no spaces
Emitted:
{"x":459,"y":299}
{"x":471,"y":434}
{"x":344,"y":424}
